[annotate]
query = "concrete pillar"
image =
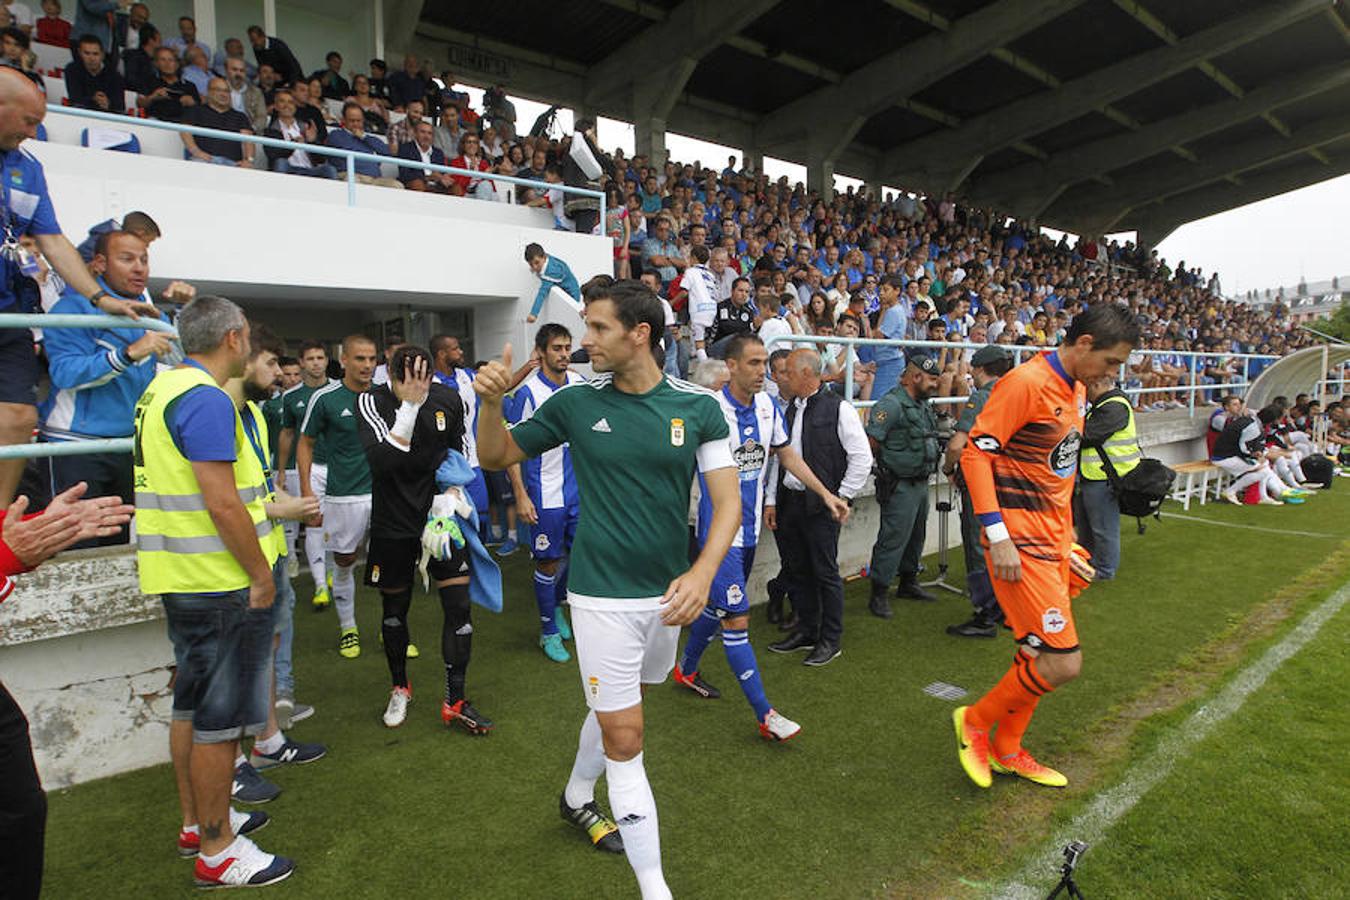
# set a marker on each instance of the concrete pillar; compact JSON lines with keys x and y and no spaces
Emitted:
{"x":874,"y":189}
{"x":270,"y":16}
{"x":752,"y":158}
{"x":379,"y":27}
{"x":820,"y":175}
{"x":204,"y":14}
{"x":650,"y":140}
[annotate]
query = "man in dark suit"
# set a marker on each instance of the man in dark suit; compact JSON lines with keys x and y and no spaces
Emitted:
{"x":423,"y":150}
{"x":275,"y":53}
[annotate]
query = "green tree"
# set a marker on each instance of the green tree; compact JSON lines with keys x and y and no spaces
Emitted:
{"x":1339,"y":323}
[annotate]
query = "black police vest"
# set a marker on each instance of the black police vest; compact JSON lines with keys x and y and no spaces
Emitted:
{"x":821,"y":448}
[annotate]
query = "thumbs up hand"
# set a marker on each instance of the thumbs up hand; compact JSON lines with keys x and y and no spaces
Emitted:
{"x":494,"y":379}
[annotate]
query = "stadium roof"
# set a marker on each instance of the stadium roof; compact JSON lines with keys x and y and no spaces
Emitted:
{"x":1090,"y":115}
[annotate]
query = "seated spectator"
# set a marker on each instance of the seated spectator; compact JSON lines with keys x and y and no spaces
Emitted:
{"x":470,"y":157}
{"x":275,"y":52}
{"x":662,"y":254}
{"x":379,"y":80}
{"x":268,"y":82}
{"x":15,"y":53}
{"x":51,"y":28}
{"x":352,"y":136}
{"x":334,"y":86}
{"x":99,"y":374}
{"x":423,"y":149}
{"x":377,"y":116}
{"x":90,"y":84}
{"x":186,"y":40}
{"x":169,"y":96}
{"x":286,"y":126}
{"x":138,"y":63}
{"x":244,"y":96}
{"x":196,"y":68}
{"x":449,"y":132}
{"x":232,"y":49}
{"x":217,"y":113}
{"x":307,"y":111}
{"x":405,"y":130}
{"x":407,"y":84}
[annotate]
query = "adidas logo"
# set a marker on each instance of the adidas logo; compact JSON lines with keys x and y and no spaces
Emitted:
{"x":631,"y":819}
{"x":346,"y":411}
{"x":602,"y":426}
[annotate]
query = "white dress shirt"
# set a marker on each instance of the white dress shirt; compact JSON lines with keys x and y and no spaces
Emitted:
{"x":855,"y":444}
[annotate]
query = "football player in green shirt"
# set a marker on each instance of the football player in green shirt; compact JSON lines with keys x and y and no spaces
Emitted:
{"x":636,"y":438}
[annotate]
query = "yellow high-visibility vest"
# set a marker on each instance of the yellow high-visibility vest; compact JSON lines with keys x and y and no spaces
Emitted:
{"x":178,"y":549}
{"x":1122,"y":448}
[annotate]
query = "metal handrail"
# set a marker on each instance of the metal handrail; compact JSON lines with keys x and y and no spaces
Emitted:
{"x":74,"y":448}
{"x":351,"y":156}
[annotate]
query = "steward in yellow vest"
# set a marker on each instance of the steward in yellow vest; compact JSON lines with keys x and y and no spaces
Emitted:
{"x":1110,"y":424}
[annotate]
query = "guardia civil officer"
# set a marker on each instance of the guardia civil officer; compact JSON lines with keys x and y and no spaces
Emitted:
{"x":1110,"y":426}
{"x":986,"y":366}
{"x":903,"y":433}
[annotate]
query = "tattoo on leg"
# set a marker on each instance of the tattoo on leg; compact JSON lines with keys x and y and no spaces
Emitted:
{"x":212,"y":831}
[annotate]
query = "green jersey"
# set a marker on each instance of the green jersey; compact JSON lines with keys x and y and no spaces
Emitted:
{"x":332,"y":414}
{"x":634,"y":457}
{"x":271,"y":410}
{"x":293,"y":405}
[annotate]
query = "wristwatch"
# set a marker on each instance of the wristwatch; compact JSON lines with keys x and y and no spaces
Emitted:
{"x":97,"y":295}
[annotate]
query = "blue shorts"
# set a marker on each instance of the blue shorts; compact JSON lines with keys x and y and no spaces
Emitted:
{"x":18,"y":366}
{"x":499,"y":488}
{"x":728,"y":594}
{"x":478,"y":493}
{"x":551,"y":537}
{"x":223,"y":651}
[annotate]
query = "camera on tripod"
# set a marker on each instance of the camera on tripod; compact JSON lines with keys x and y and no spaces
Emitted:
{"x":1072,"y":852}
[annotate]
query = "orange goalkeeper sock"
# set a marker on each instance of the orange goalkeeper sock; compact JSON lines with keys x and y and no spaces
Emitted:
{"x":1015,"y":691}
{"x":1013,"y":723}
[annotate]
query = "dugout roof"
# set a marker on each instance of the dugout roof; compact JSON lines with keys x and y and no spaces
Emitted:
{"x":1093,"y":115}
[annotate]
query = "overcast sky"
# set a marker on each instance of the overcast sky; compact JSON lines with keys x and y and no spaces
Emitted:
{"x":1267,"y":244}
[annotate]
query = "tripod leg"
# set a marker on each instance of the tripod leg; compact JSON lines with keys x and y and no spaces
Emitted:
{"x":1059,"y":889}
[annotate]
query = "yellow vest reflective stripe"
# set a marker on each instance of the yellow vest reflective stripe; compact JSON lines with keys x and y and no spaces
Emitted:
{"x":1122,"y":448}
{"x":269,"y":476}
{"x":178,"y":549}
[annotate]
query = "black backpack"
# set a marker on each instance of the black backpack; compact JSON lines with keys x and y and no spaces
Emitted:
{"x":1319,"y":470}
{"x":1142,"y":490}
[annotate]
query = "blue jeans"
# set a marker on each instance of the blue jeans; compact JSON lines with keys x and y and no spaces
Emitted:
{"x":1099,"y":526}
{"x":215,"y":160}
{"x":283,"y":624}
{"x":222,"y":649}
{"x":323,"y":170}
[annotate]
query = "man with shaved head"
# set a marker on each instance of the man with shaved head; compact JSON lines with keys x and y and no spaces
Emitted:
{"x":27,"y":210}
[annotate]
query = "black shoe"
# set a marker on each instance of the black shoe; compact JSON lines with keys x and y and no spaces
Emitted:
{"x":600,"y":828}
{"x":776,"y":597}
{"x":910,"y":587}
{"x":977,"y":627}
{"x":878,"y":604}
{"x":695,"y":683}
{"x":789,"y":623}
{"x":824,"y":653}
{"x":793,"y":642}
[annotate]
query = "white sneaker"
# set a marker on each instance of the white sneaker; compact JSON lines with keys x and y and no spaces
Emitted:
{"x":1232,"y":498}
{"x":292,"y":565}
{"x":244,"y":866}
{"x":1267,"y":501}
{"x":778,"y":727}
{"x":397,"y":710}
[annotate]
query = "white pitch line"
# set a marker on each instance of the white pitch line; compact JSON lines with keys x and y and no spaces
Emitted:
{"x":1316,"y":534}
{"x":1092,"y":824}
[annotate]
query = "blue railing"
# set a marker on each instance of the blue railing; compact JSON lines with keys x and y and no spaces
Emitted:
{"x":350,"y":156}
{"x":74,"y":448}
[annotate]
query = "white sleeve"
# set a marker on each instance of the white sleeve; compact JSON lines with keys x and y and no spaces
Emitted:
{"x":714,"y":455}
{"x":854,"y":440}
{"x":771,"y":481}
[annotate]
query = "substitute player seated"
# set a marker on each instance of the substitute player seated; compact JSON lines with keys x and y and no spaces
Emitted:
{"x":407,"y":426}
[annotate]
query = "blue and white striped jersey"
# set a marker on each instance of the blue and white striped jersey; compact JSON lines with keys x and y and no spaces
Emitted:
{"x":755,"y":429}
{"x":548,"y":477}
{"x":462,"y":381}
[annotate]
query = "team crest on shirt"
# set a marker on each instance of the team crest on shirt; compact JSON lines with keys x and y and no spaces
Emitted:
{"x":593,"y":684}
{"x":440,"y":420}
{"x":677,"y":432}
{"x":749,"y":458}
{"x":374,"y":574}
{"x":734,"y":594}
{"x":1053,"y":621}
{"x":1064,"y":458}
{"x":541,"y":543}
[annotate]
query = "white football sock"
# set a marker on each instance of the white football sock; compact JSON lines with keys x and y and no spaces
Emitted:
{"x":589,"y":764}
{"x":315,"y":548}
{"x":344,"y":595}
{"x":634,"y":808}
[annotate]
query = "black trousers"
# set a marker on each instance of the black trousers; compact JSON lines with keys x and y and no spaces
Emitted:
{"x":107,"y":474}
{"x":23,"y":806}
{"x":809,"y":544}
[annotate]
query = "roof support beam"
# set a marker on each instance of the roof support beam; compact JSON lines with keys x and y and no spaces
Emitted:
{"x":943,"y":157}
{"x":1157,"y":222}
{"x":1096,"y":211}
{"x":1021,"y":187}
{"x":840,"y":110}
{"x":671,"y":47}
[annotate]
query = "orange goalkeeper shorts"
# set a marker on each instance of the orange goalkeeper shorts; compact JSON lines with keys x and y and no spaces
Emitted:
{"x":1037,"y":606}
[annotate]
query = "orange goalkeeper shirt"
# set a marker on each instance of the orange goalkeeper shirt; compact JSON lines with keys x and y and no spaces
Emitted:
{"x":1020,"y":461}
